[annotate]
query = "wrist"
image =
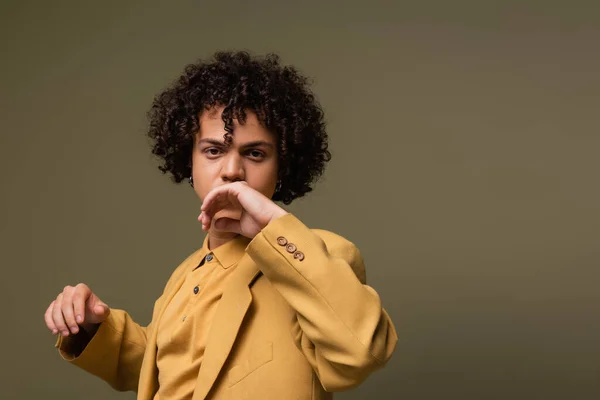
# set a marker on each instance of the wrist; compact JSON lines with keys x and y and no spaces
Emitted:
{"x":278,"y":213}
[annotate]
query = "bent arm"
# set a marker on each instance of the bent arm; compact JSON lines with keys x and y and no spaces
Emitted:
{"x":342,"y":329}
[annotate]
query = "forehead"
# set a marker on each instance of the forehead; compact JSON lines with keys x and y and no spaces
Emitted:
{"x":213,"y":127}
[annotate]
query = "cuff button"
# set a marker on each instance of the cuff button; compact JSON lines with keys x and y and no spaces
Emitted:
{"x":299,"y":255}
{"x":291,"y":247}
{"x":281,"y":241}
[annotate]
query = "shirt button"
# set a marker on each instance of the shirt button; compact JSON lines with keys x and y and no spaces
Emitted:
{"x":281,"y":241}
{"x":291,"y":247}
{"x":196,"y":289}
{"x":209,"y":257}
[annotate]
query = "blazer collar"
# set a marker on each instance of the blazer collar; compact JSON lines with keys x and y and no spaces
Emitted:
{"x":229,"y":253}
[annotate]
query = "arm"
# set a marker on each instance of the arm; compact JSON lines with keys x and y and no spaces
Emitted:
{"x":114,"y":353}
{"x":341,"y":327}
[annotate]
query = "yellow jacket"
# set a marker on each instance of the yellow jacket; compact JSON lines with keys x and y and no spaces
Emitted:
{"x":287,"y":326}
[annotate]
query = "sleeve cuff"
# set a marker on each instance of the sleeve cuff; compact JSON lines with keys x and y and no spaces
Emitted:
{"x":288,"y":236}
{"x":79,"y":348}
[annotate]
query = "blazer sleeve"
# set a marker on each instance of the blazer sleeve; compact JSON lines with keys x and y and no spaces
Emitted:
{"x":341,"y":328}
{"x":114,"y":353}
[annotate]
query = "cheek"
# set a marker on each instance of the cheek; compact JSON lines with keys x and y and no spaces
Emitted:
{"x":204,"y":183}
{"x":203,"y":180}
{"x":200,"y":191}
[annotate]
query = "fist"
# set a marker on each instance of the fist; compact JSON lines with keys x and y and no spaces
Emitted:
{"x":77,"y":306}
{"x":236,"y":207}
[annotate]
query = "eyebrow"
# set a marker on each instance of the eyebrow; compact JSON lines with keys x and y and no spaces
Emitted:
{"x":256,"y":143}
{"x":212,"y":141}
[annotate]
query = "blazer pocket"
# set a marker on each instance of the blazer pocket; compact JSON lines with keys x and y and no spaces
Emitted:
{"x":257,"y":359}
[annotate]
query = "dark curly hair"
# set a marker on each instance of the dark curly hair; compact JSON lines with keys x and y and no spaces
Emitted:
{"x":279,"y":95}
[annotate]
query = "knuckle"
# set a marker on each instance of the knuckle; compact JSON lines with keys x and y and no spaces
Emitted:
{"x":66,"y":306}
{"x":58,"y":320}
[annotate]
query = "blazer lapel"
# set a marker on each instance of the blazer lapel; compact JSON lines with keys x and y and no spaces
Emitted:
{"x":231,"y":310}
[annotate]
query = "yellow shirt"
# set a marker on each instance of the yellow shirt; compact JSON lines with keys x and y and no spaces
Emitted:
{"x":184,"y":327}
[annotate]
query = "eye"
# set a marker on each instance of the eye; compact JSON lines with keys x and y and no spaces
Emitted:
{"x":212,"y":152}
{"x":256,"y":154}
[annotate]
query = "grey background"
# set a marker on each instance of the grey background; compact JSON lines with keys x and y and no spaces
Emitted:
{"x":465,"y":143}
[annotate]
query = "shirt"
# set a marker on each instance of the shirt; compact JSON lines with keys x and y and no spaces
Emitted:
{"x":184,"y":327}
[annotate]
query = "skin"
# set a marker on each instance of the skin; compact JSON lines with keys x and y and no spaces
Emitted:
{"x":235,"y":184}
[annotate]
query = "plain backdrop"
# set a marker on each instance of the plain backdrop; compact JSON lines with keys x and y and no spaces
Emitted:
{"x":466,"y":153}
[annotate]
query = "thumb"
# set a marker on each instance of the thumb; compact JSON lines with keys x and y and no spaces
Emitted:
{"x":228,"y":225}
{"x":101,"y":310}
{"x":97,"y":310}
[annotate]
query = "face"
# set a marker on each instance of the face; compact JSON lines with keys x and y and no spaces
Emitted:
{"x":251,"y":156}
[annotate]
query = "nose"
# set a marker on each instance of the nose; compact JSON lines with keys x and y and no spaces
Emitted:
{"x":233,"y":168}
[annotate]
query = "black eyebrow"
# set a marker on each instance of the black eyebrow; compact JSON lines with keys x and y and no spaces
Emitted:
{"x":213,"y":142}
{"x":257,"y":143}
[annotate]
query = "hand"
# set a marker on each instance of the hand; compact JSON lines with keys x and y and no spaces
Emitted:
{"x":257,"y":209}
{"x":76,"y":306}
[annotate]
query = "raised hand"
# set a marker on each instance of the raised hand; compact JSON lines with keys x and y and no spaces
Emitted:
{"x":75,"y":306}
{"x":257,"y":209}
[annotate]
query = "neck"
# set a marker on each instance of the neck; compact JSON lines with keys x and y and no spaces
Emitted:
{"x":219,"y":238}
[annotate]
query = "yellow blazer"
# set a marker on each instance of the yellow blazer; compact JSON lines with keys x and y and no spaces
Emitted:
{"x":287,"y":326}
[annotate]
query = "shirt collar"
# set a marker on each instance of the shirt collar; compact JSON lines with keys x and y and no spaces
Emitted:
{"x":229,"y":253}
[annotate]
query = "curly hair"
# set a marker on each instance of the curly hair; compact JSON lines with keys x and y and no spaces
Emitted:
{"x":279,"y":95}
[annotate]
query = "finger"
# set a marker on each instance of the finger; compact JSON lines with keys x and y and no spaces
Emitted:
{"x":207,"y":221}
{"x":80,"y":296}
{"x":219,"y":204}
{"x":48,"y":318}
{"x":97,"y":310}
{"x":67,"y":310}
{"x":210,"y":197}
{"x":229,"y":225}
{"x":228,"y":204}
{"x":220,"y":196}
{"x":57,"y":316}
{"x":214,"y":201}
{"x":204,"y":220}
{"x":102,"y":310}
{"x":239,"y":195}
